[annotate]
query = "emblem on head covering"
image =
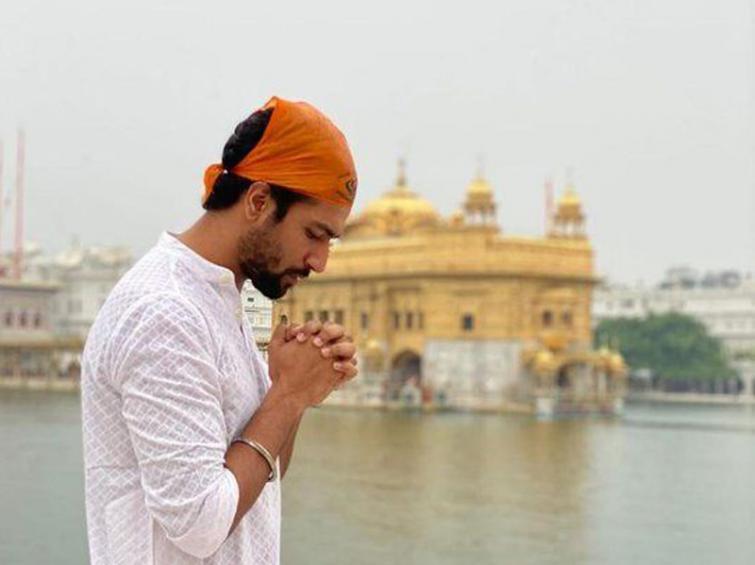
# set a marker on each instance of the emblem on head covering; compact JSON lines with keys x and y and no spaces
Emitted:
{"x":351,"y":188}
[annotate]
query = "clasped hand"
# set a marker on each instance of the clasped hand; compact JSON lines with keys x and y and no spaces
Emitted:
{"x":310,"y":360}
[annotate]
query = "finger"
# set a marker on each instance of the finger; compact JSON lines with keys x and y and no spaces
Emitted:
{"x":342,"y":382}
{"x":292,"y":331}
{"x":342,"y":351}
{"x":308,"y":329}
{"x":279,"y":334}
{"x":347,"y":370}
{"x":330,"y":333}
{"x":312,"y":327}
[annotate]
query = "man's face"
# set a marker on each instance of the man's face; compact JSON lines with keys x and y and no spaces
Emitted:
{"x":275,"y":255}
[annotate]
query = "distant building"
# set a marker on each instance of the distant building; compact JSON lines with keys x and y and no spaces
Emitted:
{"x":259,"y":311}
{"x":85,"y":276}
{"x":29,"y":344}
{"x":723,"y":301}
{"x":45,"y":316}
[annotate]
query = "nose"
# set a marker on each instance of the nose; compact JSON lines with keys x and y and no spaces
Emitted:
{"x":318,"y":259}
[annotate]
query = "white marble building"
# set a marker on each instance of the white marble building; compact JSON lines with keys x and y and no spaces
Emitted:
{"x":259,"y":310}
{"x":85,"y":276}
{"x":724,"y":302}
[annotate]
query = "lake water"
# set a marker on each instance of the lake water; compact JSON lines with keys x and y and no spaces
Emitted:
{"x":665,"y":485}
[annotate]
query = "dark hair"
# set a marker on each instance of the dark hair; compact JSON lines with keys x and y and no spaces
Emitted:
{"x":229,"y":187}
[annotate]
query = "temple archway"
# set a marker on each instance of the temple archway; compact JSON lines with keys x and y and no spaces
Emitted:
{"x":406,"y":368}
{"x":406,"y":365}
{"x":563,"y":380}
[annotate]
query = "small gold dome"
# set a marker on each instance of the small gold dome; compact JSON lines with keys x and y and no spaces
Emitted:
{"x":603,"y":358}
{"x":544,"y":362}
{"x":569,"y":199}
{"x":479,"y":186}
{"x":569,"y":205}
{"x":616,"y":364}
{"x":373,"y":355}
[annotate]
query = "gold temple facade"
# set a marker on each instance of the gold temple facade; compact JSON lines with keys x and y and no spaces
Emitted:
{"x":451,"y":311}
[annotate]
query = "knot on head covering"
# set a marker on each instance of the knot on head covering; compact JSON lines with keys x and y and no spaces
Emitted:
{"x":300,"y":150}
{"x":211,"y":175}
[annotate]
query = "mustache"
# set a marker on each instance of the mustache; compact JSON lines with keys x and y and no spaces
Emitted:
{"x":303,"y":273}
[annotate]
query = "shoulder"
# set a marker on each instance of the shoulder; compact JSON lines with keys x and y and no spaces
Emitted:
{"x":161,"y":310}
{"x":157,"y":325}
{"x":148,"y":293}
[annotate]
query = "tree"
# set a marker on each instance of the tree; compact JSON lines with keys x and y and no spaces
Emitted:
{"x":676,"y":347}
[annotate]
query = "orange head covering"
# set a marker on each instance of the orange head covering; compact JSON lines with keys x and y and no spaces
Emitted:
{"x":301,"y":150}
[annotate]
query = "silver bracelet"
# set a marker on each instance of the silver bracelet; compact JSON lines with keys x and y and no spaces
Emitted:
{"x":262,"y":451}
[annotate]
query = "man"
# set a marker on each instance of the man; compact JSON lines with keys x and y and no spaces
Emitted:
{"x":187,"y":430}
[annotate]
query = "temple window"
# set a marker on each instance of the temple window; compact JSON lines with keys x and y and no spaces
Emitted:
{"x":338,"y":316}
{"x":547,"y":318}
{"x":467,"y":322}
{"x":566,"y":318}
{"x":323,"y":316}
{"x":309,"y":316}
{"x":396,"y":321}
{"x":364,"y":321}
{"x":409,"y":320}
{"x":8,"y":318}
{"x":421,"y":320}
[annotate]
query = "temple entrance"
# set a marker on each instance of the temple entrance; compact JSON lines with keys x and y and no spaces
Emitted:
{"x":563,"y":381}
{"x":578,"y":380}
{"x":406,"y":374}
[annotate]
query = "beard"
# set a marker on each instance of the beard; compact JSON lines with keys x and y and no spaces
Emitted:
{"x":260,"y":258}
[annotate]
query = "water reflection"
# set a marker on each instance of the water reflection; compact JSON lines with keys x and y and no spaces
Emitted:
{"x":439,"y":489}
{"x":668,"y":485}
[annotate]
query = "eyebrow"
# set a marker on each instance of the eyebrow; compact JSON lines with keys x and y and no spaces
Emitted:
{"x":326,"y":228}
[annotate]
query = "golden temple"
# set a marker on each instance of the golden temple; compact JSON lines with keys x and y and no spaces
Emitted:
{"x":453,"y":312}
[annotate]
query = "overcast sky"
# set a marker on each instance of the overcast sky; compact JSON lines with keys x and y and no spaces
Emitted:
{"x":652,"y":104}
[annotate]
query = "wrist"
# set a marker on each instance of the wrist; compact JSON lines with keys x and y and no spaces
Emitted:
{"x":285,"y":400}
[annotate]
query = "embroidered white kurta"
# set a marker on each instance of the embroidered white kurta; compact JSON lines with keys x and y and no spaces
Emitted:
{"x":170,"y":376}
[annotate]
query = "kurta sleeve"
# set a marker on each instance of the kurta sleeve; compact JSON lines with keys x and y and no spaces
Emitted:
{"x":167,"y":375}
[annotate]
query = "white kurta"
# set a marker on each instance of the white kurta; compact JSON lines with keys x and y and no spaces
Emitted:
{"x":170,"y":376}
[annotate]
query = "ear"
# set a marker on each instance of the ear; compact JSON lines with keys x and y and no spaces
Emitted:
{"x":257,"y":200}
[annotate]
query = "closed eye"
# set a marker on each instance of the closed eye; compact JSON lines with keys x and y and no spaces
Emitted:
{"x":316,"y":237}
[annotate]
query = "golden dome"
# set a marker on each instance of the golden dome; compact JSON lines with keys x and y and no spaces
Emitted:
{"x":373,"y":355}
{"x":400,"y":209}
{"x":603,"y":357}
{"x":544,"y":362}
{"x":402,"y":202}
{"x":616,"y":364}
{"x":478,"y":187}
{"x":479,"y":205}
{"x":570,"y":205}
{"x":569,"y":199}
